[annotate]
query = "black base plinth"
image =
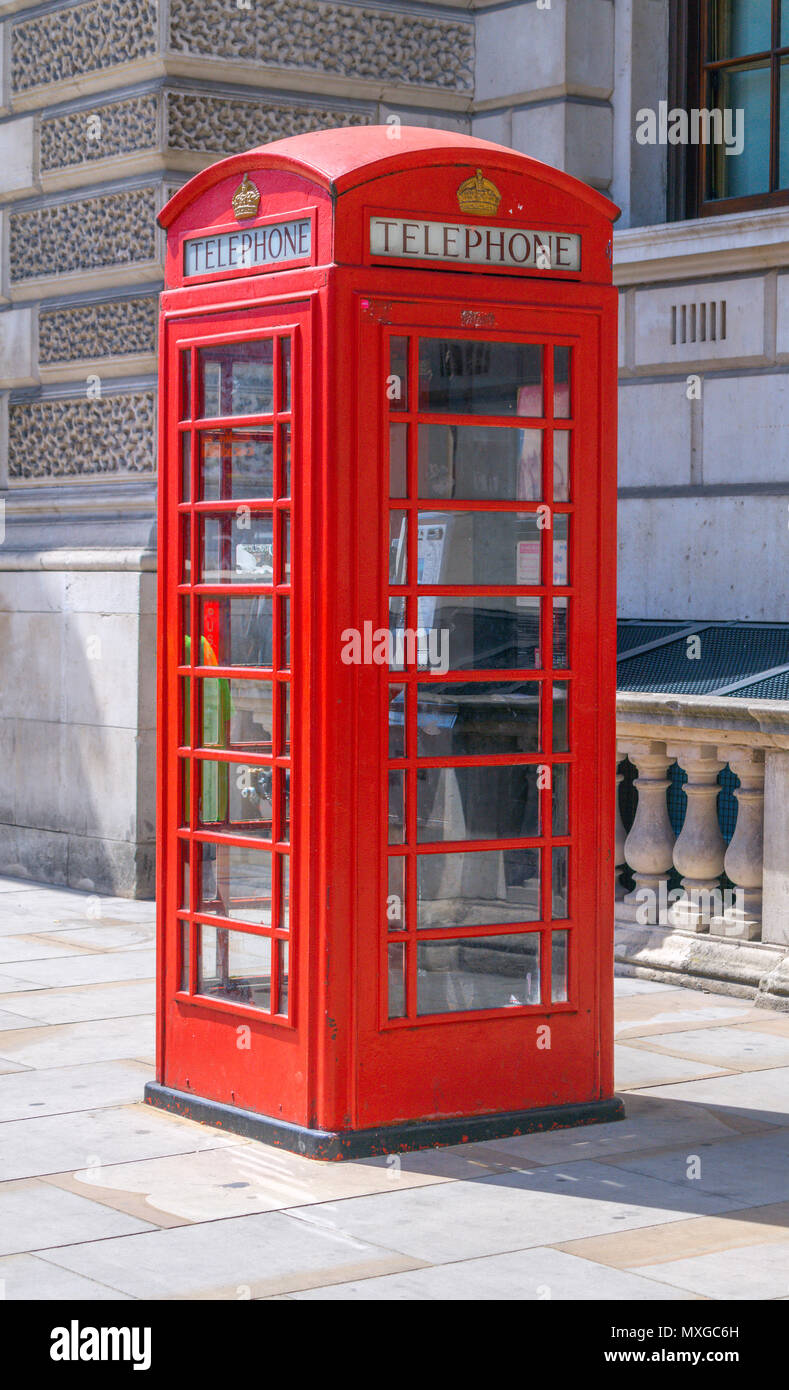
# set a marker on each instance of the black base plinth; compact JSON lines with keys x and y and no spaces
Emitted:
{"x":331,"y":1145}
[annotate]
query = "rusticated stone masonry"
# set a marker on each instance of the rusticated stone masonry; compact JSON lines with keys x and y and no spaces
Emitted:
{"x":91,"y":331}
{"x":117,"y":127}
{"x":82,"y":38}
{"x":340,"y":40}
{"x":199,"y":122}
{"x":109,"y":435}
{"x":88,"y":233}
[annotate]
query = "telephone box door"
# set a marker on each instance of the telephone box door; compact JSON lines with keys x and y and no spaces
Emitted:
{"x":230,"y":754}
{"x":483,"y":919}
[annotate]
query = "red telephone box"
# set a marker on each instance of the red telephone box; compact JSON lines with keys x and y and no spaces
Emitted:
{"x":387,"y":645}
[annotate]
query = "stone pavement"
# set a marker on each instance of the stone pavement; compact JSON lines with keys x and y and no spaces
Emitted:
{"x":104,"y":1198}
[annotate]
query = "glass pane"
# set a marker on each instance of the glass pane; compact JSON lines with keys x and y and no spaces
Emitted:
{"x":283,"y":861}
{"x":284,"y":440}
{"x":560,"y":697}
{"x":402,"y":647}
{"x":236,"y":966}
{"x":186,"y":467}
{"x":284,"y":610}
{"x":395,"y":895}
{"x":494,"y":632}
{"x":237,"y":549}
{"x":480,"y":462}
{"x":478,"y":548}
{"x":559,"y":945}
{"x":784,"y":23}
{"x":283,"y":777}
{"x":739,"y":27}
{"x":235,"y":882}
{"x":398,"y":460}
{"x":284,"y":696}
{"x":185,"y":951}
{"x":396,"y":808}
{"x":559,"y":870}
{"x":736,"y":175}
{"x":469,"y":377}
{"x":559,"y":802}
{"x":478,"y":972}
{"x":396,"y":953}
{"x":185,"y":528}
{"x":186,"y":626}
{"x":236,"y":379}
{"x":398,"y":557}
{"x":237,"y":715}
{"x":477,"y":803}
{"x":284,"y":557}
{"x":783,"y":126}
{"x":561,"y":383}
{"x":477,"y":888}
{"x":560,"y":609}
{"x":561,"y":465}
{"x":285,"y":377}
{"x":236,"y":463}
{"x":235,"y":797}
{"x":479,"y":717}
{"x":397,"y":383}
{"x":560,"y":560}
{"x":185,"y":410}
{"x":239,"y":631}
{"x":397,"y":721}
{"x":284,"y":953}
{"x":183,"y":854}
{"x":185,"y":778}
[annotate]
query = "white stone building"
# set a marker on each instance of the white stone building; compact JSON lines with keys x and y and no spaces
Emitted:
{"x":107,"y":105}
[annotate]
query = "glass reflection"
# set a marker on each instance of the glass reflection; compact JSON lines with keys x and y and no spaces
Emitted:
{"x":480,"y":462}
{"x":237,"y":550}
{"x":239,"y":631}
{"x":236,"y":966}
{"x":236,"y":378}
{"x":477,"y":803}
{"x":494,"y":632}
{"x":236,"y":463}
{"x":235,"y":882}
{"x":478,"y":888}
{"x":478,"y":972}
{"x":477,"y":717}
{"x":559,"y":953}
{"x":478,"y":548}
{"x":470,"y":377}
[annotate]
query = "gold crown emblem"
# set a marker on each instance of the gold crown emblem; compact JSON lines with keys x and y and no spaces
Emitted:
{"x":478,"y":194}
{"x":246,"y":199}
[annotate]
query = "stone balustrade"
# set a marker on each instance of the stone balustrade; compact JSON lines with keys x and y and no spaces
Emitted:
{"x":700,"y":906}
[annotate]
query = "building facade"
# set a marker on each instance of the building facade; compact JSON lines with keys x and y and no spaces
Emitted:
{"x":107,"y":106}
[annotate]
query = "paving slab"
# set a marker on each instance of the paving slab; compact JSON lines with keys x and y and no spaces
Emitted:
{"x":760,"y":1095}
{"x":79,"y":1003}
{"x":526,"y":1275}
{"x":110,"y":936}
{"x":754,"y":1170}
{"x":57,"y":1090}
{"x":34,"y":1214}
{"x":15,"y":1021}
{"x":699,"y":1235}
{"x":626,"y":985}
{"x":100,"y":1040}
{"x":511,"y":1211}
{"x":86,"y":968}
{"x":751,"y":1271}
{"x":28,"y":947}
{"x":636,"y":1067}
{"x":245,"y":1257}
{"x":92,"y":1138}
{"x":28,"y":1277}
{"x":743,"y":1048}
{"x":252,"y":1177}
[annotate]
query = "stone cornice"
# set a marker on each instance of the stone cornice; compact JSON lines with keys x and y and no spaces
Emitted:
{"x":698,"y":718}
{"x":705,"y":246}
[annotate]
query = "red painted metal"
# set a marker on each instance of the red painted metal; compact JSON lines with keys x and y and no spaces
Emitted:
{"x":332,"y":1059}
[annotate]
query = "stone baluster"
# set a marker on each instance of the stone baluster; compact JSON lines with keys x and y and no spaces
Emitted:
{"x":619,"y":836}
{"x":744,"y":859}
{"x":649,"y":845}
{"x":700,"y":847}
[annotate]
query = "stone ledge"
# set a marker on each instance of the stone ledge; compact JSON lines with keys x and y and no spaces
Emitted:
{"x":746,"y":969}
